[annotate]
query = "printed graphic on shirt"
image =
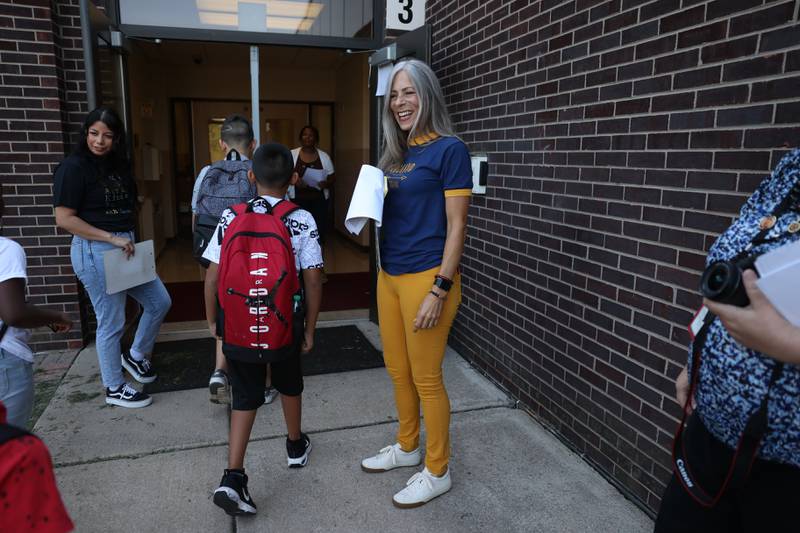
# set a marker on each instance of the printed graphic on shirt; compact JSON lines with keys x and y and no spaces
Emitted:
{"x":117,"y":197}
{"x":302,"y":230}
{"x":396,"y":174}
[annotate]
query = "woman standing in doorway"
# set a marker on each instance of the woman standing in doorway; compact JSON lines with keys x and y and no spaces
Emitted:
{"x":419,"y":287}
{"x":95,"y":200}
{"x":313,"y":198}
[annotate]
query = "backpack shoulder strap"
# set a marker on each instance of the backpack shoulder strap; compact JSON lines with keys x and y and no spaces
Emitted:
{"x":284,"y":208}
{"x":238,"y":209}
{"x":9,"y":432}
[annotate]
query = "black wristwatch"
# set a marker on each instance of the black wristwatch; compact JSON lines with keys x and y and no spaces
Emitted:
{"x":442,"y":283}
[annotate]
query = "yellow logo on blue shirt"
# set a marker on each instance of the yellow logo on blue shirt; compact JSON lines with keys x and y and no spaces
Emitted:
{"x":394,"y":181}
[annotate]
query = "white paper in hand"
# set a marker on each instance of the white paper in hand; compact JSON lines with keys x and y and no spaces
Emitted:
{"x":123,"y":273}
{"x":314,"y":176}
{"x":779,"y":270}
{"x":367,"y":200}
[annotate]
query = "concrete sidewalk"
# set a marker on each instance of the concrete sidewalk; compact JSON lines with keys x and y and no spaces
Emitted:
{"x":155,"y":469}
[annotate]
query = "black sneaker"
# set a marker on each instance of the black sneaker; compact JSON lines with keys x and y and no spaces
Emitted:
{"x":232,"y":494}
{"x":127,"y":396}
{"x":298,"y":450}
{"x":142,"y":371}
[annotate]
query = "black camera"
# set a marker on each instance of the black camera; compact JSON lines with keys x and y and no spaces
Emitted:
{"x":722,"y":281}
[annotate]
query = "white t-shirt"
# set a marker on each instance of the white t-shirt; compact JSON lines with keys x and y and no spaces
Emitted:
{"x":12,"y":265}
{"x":301,"y":226}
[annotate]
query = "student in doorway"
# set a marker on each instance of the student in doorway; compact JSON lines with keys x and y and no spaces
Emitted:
{"x":95,"y":200}
{"x":218,"y":186}
{"x":245,"y":267}
{"x":16,"y":357}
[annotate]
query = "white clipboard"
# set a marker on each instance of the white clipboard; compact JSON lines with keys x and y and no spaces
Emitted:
{"x":123,"y":273}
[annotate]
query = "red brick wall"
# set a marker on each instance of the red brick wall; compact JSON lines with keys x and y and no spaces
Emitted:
{"x":622,"y":136}
{"x":42,"y":96}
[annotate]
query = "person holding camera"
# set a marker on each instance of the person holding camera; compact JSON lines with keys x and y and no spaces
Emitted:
{"x":736,"y":455}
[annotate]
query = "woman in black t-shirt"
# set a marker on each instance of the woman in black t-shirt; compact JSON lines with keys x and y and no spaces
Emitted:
{"x":95,"y":200}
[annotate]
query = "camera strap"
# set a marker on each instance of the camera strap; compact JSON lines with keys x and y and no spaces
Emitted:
{"x":746,"y":449}
{"x":756,"y":427}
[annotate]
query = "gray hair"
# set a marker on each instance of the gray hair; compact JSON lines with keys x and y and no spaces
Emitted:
{"x":432,"y":116}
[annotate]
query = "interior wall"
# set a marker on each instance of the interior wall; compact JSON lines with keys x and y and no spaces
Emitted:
{"x":352,"y":136}
{"x":152,"y":154}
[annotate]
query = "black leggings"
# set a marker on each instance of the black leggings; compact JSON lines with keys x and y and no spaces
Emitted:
{"x":768,"y":501}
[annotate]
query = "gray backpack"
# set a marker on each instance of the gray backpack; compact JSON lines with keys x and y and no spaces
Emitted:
{"x":225,"y":184}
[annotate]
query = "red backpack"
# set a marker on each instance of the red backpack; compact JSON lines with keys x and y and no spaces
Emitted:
{"x":258,"y":286}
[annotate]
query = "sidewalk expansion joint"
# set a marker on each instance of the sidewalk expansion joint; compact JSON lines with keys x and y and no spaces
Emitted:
{"x":214,"y":444}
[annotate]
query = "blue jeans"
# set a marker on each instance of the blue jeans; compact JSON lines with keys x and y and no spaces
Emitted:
{"x":87,"y":261}
{"x":16,"y":388}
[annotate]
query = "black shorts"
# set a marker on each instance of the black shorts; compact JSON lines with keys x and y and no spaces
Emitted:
{"x":768,"y":501}
{"x":248,"y":380}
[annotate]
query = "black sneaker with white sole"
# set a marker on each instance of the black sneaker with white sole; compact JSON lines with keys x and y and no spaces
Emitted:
{"x":232,"y":494}
{"x":127,"y":396}
{"x":297,"y":451}
{"x":142,"y":371}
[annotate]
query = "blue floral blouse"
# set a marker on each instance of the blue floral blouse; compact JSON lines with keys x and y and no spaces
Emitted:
{"x":733,"y":379}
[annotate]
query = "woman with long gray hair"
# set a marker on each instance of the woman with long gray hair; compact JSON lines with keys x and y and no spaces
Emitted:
{"x":419,"y":286}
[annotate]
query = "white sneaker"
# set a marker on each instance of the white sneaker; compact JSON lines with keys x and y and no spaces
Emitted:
{"x":219,"y":387}
{"x":270,"y":393}
{"x":422,"y":488}
{"x":391,"y":457}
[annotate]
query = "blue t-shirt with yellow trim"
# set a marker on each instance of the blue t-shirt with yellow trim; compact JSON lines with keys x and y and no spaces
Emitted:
{"x":414,"y":219}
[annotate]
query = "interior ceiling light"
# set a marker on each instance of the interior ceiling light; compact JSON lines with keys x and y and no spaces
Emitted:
{"x":215,"y":18}
{"x":228,"y":6}
{"x":278,"y":8}
{"x":287,"y":8}
{"x":289,"y":23}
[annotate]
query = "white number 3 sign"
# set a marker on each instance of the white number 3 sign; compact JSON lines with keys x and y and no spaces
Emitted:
{"x":405,"y":14}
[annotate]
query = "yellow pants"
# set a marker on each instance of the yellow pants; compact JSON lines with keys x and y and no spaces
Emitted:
{"x":414,"y":361}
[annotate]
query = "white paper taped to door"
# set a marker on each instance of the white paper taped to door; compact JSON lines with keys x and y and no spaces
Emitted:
{"x":383,"y":79}
{"x":367,"y":200}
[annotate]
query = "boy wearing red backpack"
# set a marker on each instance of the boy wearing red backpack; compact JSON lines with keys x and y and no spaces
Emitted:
{"x":264,"y":315}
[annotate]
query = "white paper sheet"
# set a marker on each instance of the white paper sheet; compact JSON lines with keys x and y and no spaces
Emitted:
{"x":778,"y":259}
{"x":367,"y":200}
{"x":779,"y":271}
{"x":314,"y":176}
{"x":383,"y":79}
{"x":123,"y":273}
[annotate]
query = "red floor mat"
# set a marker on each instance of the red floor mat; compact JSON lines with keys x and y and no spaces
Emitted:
{"x":342,"y":291}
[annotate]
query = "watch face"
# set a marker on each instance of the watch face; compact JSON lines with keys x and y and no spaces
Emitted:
{"x":442,"y":284}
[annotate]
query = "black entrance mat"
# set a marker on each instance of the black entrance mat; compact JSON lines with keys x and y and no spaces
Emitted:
{"x":188,"y":364}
